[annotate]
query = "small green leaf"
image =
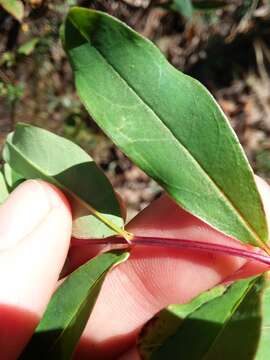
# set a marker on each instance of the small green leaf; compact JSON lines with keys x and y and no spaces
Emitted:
{"x":229,"y":327}
{"x":3,"y":188}
{"x":166,"y":122}
{"x":12,"y":178}
{"x":14,"y":8}
{"x":69,"y":309}
{"x":184,"y":7}
{"x":166,"y":323}
{"x":28,"y":47}
{"x":37,"y":153}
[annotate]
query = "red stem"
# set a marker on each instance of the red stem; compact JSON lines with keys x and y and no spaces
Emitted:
{"x":180,"y":244}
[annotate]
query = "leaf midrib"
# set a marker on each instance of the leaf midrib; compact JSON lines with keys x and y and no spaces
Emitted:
{"x":234,"y":208}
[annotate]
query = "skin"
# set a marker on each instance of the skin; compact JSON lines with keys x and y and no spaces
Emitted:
{"x":35,"y":228}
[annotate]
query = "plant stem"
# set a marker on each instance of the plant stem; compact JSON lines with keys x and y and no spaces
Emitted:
{"x":180,"y":244}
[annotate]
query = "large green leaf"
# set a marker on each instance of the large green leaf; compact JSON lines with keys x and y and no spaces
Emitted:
{"x":167,"y":321}
{"x":37,"y":153}
{"x":14,"y":7}
{"x":3,"y":188}
{"x":233,"y":326}
{"x":69,"y":309}
{"x":166,"y":122}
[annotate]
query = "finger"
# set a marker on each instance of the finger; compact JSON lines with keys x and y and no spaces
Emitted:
{"x":250,"y":268}
{"x":139,"y":288}
{"x":35,"y":225}
{"x":160,"y":222}
{"x":131,"y":354}
{"x":154,"y":277}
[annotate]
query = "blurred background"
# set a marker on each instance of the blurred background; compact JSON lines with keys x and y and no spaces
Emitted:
{"x":224,"y":44}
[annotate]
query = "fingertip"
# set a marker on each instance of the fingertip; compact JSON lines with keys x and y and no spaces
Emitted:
{"x":26,"y":207}
{"x":34,"y":253}
{"x":55,"y":196}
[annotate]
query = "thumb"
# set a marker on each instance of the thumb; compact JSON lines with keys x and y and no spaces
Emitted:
{"x":35,"y":228}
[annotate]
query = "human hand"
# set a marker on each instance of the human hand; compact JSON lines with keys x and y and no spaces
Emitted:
{"x":35,"y":226}
{"x":35,"y":229}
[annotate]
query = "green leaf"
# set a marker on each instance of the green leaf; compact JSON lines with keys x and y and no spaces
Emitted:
{"x":3,"y":188}
{"x":12,"y":178}
{"x":69,"y":309}
{"x":166,"y":122}
{"x":263,"y":345}
{"x":14,"y":8}
{"x":37,"y":153}
{"x":166,"y":323}
{"x":232,"y":326}
{"x":28,"y":47}
{"x":184,"y":7}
